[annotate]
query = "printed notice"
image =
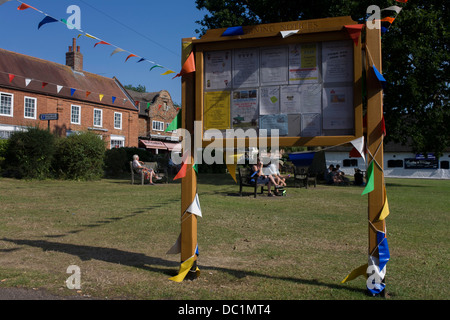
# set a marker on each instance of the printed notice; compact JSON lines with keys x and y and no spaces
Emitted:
{"x":303,"y":62}
{"x":274,"y":121}
{"x":245,"y":108}
{"x":311,"y":125}
{"x":338,"y":108}
{"x":217,"y":70}
{"x":290,"y":99}
{"x":216,"y":113}
{"x":246,"y":68}
{"x":337,"y":61}
{"x":274,"y":65}
{"x":269,"y":100}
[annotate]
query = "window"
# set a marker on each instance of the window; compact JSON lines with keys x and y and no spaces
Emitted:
{"x":350,"y":163}
{"x":117,"y":120}
{"x":75,"y":115}
{"x":6,"y":104}
{"x":445,"y":165}
{"x":158,"y":125}
{"x":117,"y":141}
{"x":395,"y":163}
{"x":98,"y":117}
{"x":172,"y":131}
{"x":30,"y":108}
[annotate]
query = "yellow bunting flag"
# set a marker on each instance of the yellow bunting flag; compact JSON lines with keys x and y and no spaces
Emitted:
{"x":167,"y":72}
{"x":184,"y":269}
{"x":385,"y":211}
{"x":100,"y":96}
{"x":360,"y":271}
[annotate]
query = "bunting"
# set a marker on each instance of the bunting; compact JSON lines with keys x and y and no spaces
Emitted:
{"x":288,"y":33}
{"x":188,"y":66}
{"x":175,"y":124}
{"x":233,"y":31}
{"x":49,"y":19}
{"x":370,"y":181}
{"x":354,"y":31}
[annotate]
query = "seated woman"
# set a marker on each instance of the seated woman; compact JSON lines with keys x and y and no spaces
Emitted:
{"x":149,"y":174}
{"x":256,"y":173}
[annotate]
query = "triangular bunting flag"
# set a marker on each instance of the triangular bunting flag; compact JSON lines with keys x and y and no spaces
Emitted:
{"x":131,"y":55}
{"x":359,"y":145}
{"x":27,"y":82}
{"x":397,"y":9}
{"x":231,"y":167}
{"x":101,"y":42}
{"x":370,"y":183}
{"x":87,"y":93}
{"x":194,"y":208}
{"x":44,"y":84}
{"x":24,"y":6}
{"x":388,"y":19}
{"x":383,"y":250}
{"x":113,"y":99}
{"x":360,"y":271}
{"x":383,"y":126}
{"x":72,"y":91}
{"x":188,"y":66}
{"x":233,"y":31}
{"x":140,"y":60}
{"x":182,"y":172}
{"x":385,"y":210}
{"x":100,"y":96}
{"x":117,"y":50}
{"x":176,"y":248}
{"x":58,"y":88}
{"x":11,"y":77}
{"x":167,"y":72}
{"x":175,"y":124}
{"x":155,"y":66}
{"x":354,"y":31}
{"x":46,"y":20}
{"x":288,"y":33}
{"x":379,"y":76}
{"x":91,"y":36}
{"x":184,"y":269}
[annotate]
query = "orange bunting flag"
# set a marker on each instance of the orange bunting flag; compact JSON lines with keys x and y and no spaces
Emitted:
{"x":402,"y":1}
{"x":188,"y":66}
{"x":354,"y":30}
{"x":11,"y":77}
{"x":182,"y":172}
{"x":101,"y":42}
{"x":87,"y":93}
{"x":388,"y":19}
{"x":131,"y":55}
{"x":24,"y":6}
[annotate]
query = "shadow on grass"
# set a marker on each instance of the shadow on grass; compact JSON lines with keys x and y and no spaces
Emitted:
{"x":166,"y":267}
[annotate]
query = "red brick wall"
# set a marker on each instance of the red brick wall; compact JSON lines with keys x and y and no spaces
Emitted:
{"x":46,"y":104}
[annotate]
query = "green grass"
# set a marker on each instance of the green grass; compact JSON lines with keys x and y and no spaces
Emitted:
{"x":296,"y":247}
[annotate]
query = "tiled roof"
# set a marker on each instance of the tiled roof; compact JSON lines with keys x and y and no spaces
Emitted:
{"x":39,"y":71}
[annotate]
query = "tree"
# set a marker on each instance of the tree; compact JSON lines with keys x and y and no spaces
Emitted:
{"x":139,"y":88}
{"x":416,"y":57}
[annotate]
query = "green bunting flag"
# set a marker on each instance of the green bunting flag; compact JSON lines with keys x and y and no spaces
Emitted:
{"x":175,"y":124}
{"x":370,"y":184}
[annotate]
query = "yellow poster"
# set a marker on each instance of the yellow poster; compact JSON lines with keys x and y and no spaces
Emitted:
{"x":216,"y":114}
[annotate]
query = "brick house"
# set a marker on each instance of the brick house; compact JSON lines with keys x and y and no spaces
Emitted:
{"x":83,"y":101}
{"x":156,"y":112}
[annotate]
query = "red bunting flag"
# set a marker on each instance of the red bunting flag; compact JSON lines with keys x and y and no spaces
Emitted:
{"x":131,"y":55}
{"x":402,"y":1}
{"x":87,"y":93}
{"x":44,"y":84}
{"x":159,"y":107}
{"x":354,"y":30}
{"x":11,"y":77}
{"x":101,"y":42}
{"x":354,"y":153}
{"x":188,"y":66}
{"x":24,"y":6}
{"x":182,"y":172}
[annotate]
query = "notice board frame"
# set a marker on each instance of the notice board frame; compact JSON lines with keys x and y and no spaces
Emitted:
{"x":268,"y":35}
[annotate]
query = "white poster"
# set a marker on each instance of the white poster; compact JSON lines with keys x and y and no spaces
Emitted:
{"x":269,"y":100}
{"x":338,"y":108}
{"x":303,"y":63}
{"x":274,"y":121}
{"x":311,"y":98}
{"x":290,"y":99}
{"x":246,"y":67}
{"x":311,"y":125}
{"x":274,"y":65}
{"x":337,"y":61}
{"x":217,"y":70}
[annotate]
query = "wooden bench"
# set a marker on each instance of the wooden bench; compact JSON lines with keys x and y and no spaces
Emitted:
{"x":244,"y":181}
{"x":161,"y":172}
{"x":303,"y":178}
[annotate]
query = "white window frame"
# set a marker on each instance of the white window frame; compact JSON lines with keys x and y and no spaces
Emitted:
{"x":157,"y":125}
{"x":71,"y":114}
{"x":25,"y":107}
{"x":11,"y":114}
{"x":116,"y":141}
{"x":101,"y":118}
{"x":120,"y":125}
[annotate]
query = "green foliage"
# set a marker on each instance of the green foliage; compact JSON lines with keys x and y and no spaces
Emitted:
{"x":416,"y":56}
{"x":29,"y":154}
{"x":3,"y":148}
{"x":80,"y":157}
{"x":139,"y":88}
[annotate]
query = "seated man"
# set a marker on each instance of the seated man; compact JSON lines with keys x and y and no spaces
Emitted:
{"x":149,"y":174}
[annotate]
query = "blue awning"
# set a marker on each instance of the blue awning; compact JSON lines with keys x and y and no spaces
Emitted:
{"x":302,"y":159}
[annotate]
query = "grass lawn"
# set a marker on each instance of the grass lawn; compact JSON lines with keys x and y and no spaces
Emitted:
{"x":285,"y":248}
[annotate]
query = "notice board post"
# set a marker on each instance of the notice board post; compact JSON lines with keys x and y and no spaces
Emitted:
{"x":376,"y":198}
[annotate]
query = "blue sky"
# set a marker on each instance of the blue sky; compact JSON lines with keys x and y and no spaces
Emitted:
{"x":147,"y":28}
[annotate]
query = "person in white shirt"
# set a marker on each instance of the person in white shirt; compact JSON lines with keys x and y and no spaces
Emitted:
{"x":149,"y":174}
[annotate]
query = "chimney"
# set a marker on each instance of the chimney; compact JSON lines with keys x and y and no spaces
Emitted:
{"x":74,"y":58}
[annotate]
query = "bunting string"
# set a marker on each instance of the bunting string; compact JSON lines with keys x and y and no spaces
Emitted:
{"x":50,"y":19}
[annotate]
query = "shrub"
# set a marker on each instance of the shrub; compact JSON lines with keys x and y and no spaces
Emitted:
{"x":79,"y":157}
{"x":117,"y":160}
{"x":3,"y":148}
{"x":29,"y":154}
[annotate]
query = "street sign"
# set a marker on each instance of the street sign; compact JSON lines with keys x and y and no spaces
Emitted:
{"x":48,"y":116}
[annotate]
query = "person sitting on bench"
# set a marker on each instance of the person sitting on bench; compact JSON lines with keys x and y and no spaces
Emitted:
{"x":259,"y":178}
{"x":149,"y":174}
